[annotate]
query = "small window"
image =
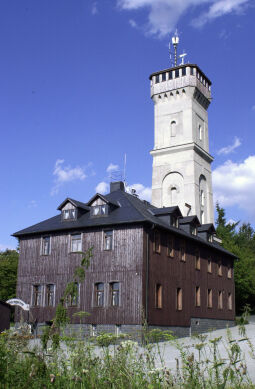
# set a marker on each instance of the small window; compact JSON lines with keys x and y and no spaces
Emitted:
{"x":99,"y":210}
{"x":179,"y":299}
{"x":157,"y":79}
{"x":220,"y":269}
{"x":117,"y":329}
{"x":193,"y":229}
{"x":202,"y":197}
{"x":209,"y":298}
{"x":191,"y":71}
{"x":230,"y":304}
{"x":198,"y":297}
{"x":220,"y":300}
{"x":157,"y":242}
{"x":108,"y":235}
{"x":69,"y":214}
{"x":115,"y":294}
{"x":198,"y":75}
{"x":183,"y":71}
{"x":183,"y":251}
{"x":200,"y":132}
{"x":158,"y":296}
{"x":93,"y":330}
{"x":197,"y":260}
{"x":72,"y":300}
{"x":99,"y":294}
{"x":229,"y":272}
{"x":46,"y":245}
{"x":170,"y":246}
{"x":173,"y":128}
{"x":170,"y":75}
{"x":177,"y":74}
{"x":209,"y":265}
{"x":210,"y":238}
{"x":49,"y":302}
{"x":163,"y":76}
{"x":37,"y":295}
{"x":202,"y":216}
{"x":76,"y":243}
{"x":174,"y":221}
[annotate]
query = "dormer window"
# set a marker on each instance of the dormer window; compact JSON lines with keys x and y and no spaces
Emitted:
{"x":99,"y":210}
{"x":210,"y":238}
{"x":69,"y":214}
{"x":193,"y":230}
{"x":174,"y":221}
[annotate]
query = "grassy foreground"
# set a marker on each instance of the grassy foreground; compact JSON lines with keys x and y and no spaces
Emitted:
{"x":110,"y":362}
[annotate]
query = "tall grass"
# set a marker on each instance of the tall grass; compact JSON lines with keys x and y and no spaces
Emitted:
{"x":108,"y":361}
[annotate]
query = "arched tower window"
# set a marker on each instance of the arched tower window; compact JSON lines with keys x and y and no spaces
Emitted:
{"x":173,"y":128}
{"x":173,"y":190}
{"x":203,"y":198}
{"x":174,"y":195}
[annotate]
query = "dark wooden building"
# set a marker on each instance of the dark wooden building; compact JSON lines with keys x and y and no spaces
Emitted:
{"x":5,"y":315}
{"x":148,"y":264}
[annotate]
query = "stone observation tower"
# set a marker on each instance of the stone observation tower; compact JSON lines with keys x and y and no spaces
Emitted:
{"x":181,"y":160}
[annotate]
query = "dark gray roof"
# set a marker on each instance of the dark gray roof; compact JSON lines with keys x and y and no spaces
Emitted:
{"x":189,"y":219}
{"x":206,"y":227}
{"x":76,"y":203}
{"x":104,"y":198}
{"x":166,"y":210}
{"x":130,"y":210}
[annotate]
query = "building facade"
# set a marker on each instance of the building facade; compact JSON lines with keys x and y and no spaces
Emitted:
{"x":149,"y":265}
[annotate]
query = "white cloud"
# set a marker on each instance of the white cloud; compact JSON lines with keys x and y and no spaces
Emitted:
{"x":32,"y":204}
{"x":112,"y":168}
{"x":142,"y":191}
{"x":132,"y":23}
{"x":234,"y":184}
{"x":65,"y":174}
{"x":163,"y":15}
{"x":4,"y":247}
{"x":229,"y":149}
{"x":94,"y":9}
{"x":102,"y":187}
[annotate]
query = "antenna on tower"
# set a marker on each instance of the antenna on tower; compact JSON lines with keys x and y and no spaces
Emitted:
{"x":124,"y":170}
{"x":175,"y":42}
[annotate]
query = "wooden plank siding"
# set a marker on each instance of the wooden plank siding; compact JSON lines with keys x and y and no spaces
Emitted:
{"x":173,"y":273}
{"x":123,"y":264}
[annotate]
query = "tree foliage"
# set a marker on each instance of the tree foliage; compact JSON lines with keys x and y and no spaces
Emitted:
{"x":241,"y":242}
{"x":8,"y":274}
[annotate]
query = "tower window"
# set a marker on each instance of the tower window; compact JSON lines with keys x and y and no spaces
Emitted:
{"x":202,"y":214}
{"x":173,"y":128}
{"x":157,"y":79}
{"x":163,"y":76}
{"x":200,"y":132}
{"x":202,"y":197}
{"x":170,"y":75}
{"x":183,"y":71}
{"x":191,"y":71}
{"x":174,"y":195}
{"x":177,"y":73}
{"x":158,"y":296}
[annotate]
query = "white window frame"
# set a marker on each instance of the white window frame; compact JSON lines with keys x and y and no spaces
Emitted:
{"x":103,"y":240}
{"x":70,"y":242}
{"x":45,"y":294}
{"x":42,"y":245}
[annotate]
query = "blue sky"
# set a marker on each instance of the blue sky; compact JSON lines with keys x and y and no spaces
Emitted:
{"x":75,"y":97}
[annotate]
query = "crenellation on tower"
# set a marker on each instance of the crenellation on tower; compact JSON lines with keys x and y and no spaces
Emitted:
{"x":181,"y":159}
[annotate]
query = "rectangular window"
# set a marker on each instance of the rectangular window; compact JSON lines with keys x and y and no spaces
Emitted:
{"x":163,"y":76}
{"x":183,"y":251}
{"x":230,"y":301}
{"x":69,"y":214}
{"x":99,"y":210}
{"x":220,"y":300}
{"x":197,"y":260}
{"x":183,"y":71}
{"x":49,"y":302}
{"x":170,"y":246}
{"x":209,"y":298}
{"x":46,"y":245}
{"x":198,"y":75}
{"x":220,"y":269}
{"x":177,"y":73}
{"x":115,"y":294}
{"x":99,"y":294}
{"x":76,"y":243}
{"x":117,"y":329}
{"x":37,"y":295}
{"x":156,"y":242}
{"x":229,"y":272}
{"x":193,"y":230}
{"x":174,"y":221}
{"x":170,"y":75}
{"x":108,"y":235}
{"x":72,"y":300}
{"x":157,"y":79}
{"x":209,"y":265}
{"x":179,"y":299}
{"x":198,"y":298}
{"x":191,"y":71}
{"x":158,"y":296}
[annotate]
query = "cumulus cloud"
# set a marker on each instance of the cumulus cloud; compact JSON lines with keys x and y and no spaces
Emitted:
{"x":142,"y":191}
{"x":65,"y":174}
{"x":163,"y":15}
{"x":102,"y":187}
{"x":234,"y":184}
{"x":229,"y":149}
{"x":112,"y":168}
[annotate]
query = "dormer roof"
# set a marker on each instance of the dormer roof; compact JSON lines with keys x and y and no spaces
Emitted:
{"x":75,"y":203}
{"x":103,"y":198}
{"x":166,"y":211}
{"x":207,"y":228}
{"x":189,"y":220}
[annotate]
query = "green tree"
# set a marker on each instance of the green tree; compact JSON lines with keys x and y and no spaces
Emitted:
{"x":8,"y":274}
